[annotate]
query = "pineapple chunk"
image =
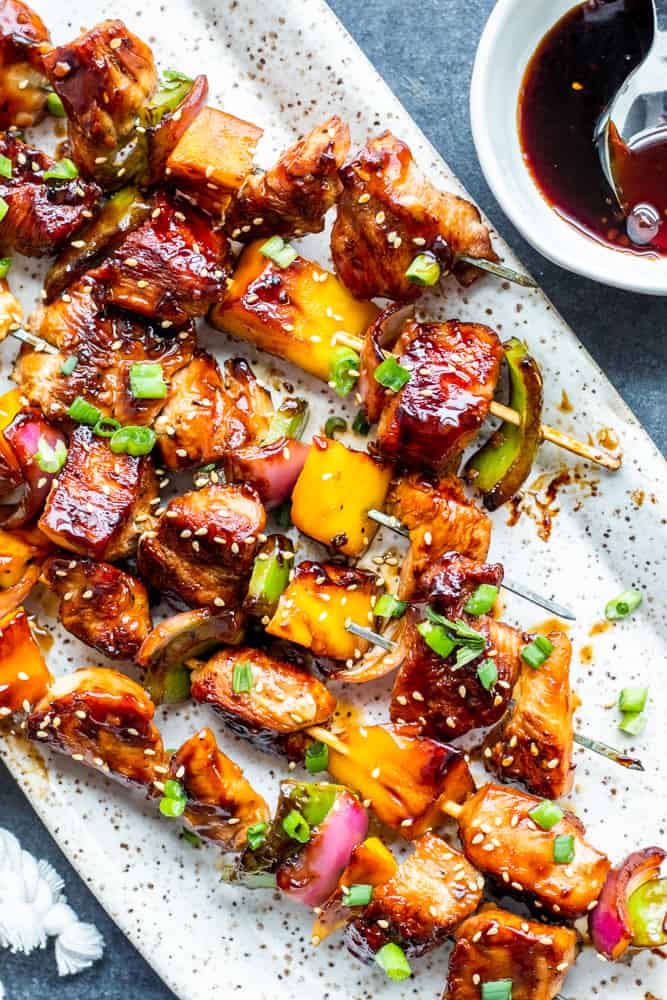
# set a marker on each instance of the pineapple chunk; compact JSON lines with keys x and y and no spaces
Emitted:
{"x":24,"y":676}
{"x":293,"y":312}
{"x":334,"y":492}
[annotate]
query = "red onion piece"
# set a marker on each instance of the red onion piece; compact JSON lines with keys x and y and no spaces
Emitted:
{"x":609,"y":923}
{"x":381,"y":336}
{"x":23,"y":436}
{"x":271,"y":469}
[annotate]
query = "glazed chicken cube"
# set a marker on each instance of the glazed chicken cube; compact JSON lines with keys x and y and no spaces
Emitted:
{"x":534,"y":743}
{"x":42,"y":212}
{"x":263,"y":699}
{"x":292,"y":197}
{"x":494,"y":945}
{"x":104,"y":79}
{"x":420,"y":905}
{"x":204,"y":547}
{"x":452,"y":579}
{"x":100,"y":501}
{"x":519,"y":853}
{"x":103,"y":719}
{"x":24,"y":39}
{"x":100,"y":604}
{"x":222,"y":804}
{"x":388,"y":213}
{"x":69,"y":320}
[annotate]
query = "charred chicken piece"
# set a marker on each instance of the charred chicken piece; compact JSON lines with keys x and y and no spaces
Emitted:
{"x":24,"y":39}
{"x":494,"y":945}
{"x":103,"y":719}
{"x":222,"y":804}
{"x":100,"y":604}
{"x":454,"y":368}
{"x":519,"y":853}
{"x":208,"y":414}
{"x":447,"y":701}
{"x":293,"y":197}
{"x":69,"y":320}
{"x":388,"y":213}
{"x":43,"y":212}
{"x":104,"y":78}
{"x":204,"y":546}
{"x":452,"y":579}
{"x":275,"y":703}
{"x":100,"y":501}
{"x":534,"y":743}
{"x":420,"y":905}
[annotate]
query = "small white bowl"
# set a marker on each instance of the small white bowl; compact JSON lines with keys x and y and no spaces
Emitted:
{"x":510,"y":37}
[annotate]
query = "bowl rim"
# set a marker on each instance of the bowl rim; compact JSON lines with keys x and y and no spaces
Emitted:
{"x":570,"y":252}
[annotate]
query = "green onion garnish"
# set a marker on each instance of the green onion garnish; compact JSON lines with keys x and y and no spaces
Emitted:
{"x":192,"y":839}
{"x":133,"y":441}
{"x":487,"y":673}
{"x":55,"y":106}
{"x":632,"y":699}
{"x":147,"y":380}
{"x":296,"y":827}
{"x":547,"y":814}
{"x":424,"y":270}
{"x":632,"y":723}
{"x":481,"y":602}
{"x":68,"y":366}
{"x":623,"y":605}
{"x":317,"y":757}
{"x":242,"y":677}
{"x":500,"y":989}
{"x":83,"y":412}
{"x":437,"y":638}
{"x":50,"y":459}
{"x":391,"y":375}
{"x":344,"y":366}
{"x":6,"y":166}
{"x":5,"y":264}
{"x":359,"y":894}
{"x":174,"y":799}
{"x":63,"y":170}
{"x":334,"y":424}
{"x":360,"y":424}
{"x":257,"y":835}
{"x":564,"y":849}
{"x":173,"y":88}
{"x":281,"y":253}
{"x":106,"y":427}
{"x":391,"y":959}
{"x":537,"y":652}
{"x":388,"y":606}
{"x":174,"y":789}
{"x":4,"y":208}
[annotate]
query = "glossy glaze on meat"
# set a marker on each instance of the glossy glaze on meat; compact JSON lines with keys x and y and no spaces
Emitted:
{"x":24,"y":39}
{"x":451,"y":579}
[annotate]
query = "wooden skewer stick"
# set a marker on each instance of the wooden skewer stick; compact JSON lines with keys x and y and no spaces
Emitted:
{"x":452,"y":809}
{"x":580,"y":448}
{"x":30,"y":338}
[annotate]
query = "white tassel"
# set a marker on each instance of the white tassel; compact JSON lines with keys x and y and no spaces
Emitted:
{"x":77,"y":948}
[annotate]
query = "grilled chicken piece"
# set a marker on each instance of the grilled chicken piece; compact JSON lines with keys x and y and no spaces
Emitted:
{"x":104,"y":719}
{"x":11,"y":311}
{"x":104,"y":78}
{"x":388,"y":213}
{"x":454,"y":368}
{"x":172,"y":268}
{"x":42,"y":213}
{"x":420,"y":905}
{"x":101,"y":501}
{"x":100,"y":604}
{"x":206,"y":415}
{"x":518,"y":853}
{"x":221,"y":802}
{"x":534,"y":743}
{"x":446,"y":701}
{"x":280,"y":703}
{"x":494,"y":945}
{"x":203,"y":550}
{"x":293,"y":197}
{"x":68,"y":320}
{"x":23,"y":40}
{"x":452,"y":579}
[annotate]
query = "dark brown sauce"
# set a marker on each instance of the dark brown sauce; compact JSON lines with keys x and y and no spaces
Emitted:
{"x":574,"y":73}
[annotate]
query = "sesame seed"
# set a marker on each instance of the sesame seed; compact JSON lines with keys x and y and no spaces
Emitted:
{"x":478,"y":838}
{"x":476,"y":979}
{"x":375,"y":773}
{"x":115,"y":43}
{"x":41,"y":735}
{"x":380,"y":217}
{"x":384,"y":924}
{"x":87,"y":594}
{"x":449,"y":721}
{"x":407,"y":822}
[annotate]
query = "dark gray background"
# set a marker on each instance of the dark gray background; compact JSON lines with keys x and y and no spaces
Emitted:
{"x":425,"y":52}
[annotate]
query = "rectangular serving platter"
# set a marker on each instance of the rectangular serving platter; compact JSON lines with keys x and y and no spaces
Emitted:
{"x":288,"y":66}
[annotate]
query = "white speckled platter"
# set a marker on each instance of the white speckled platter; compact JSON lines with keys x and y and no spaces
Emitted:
{"x":287,"y":65}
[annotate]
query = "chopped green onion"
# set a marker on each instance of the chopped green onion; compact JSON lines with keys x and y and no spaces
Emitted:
{"x":173,"y":88}
{"x":314,"y":801}
{"x":50,"y":459}
{"x":391,"y":375}
{"x":623,"y":605}
{"x":437,"y":638}
{"x":257,"y":835}
{"x":462,"y":630}
{"x":334,"y":424}
{"x":632,"y":699}
{"x":4,"y":208}
{"x":133,"y":441}
{"x":388,"y":606}
{"x":564,"y":849}
{"x":360,"y":424}
{"x":269,"y":578}
{"x":106,"y":427}
{"x":547,"y":814}
{"x":487,"y":673}
{"x":63,"y":170}
{"x":424,"y":270}
{"x":632,"y":723}
{"x":537,"y":652}
{"x":5,"y":264}
{"x":174,"y":789}
{"x":296,"y":827}
{"x":391,"y":959}
{"x":83,"y":412}
{"x":288,"y":420}
{"x":147,"y":380}
{"x":6,"y":166}
{"x":55,"y":106}
{"x":344,"y":366}
{"x":359,"y":894}
{"x":192,"y":839}
{"x":317,"y":757}
{"x":68,"y":367}
{"x":242,"y":677}
{"x":466,"y":653}
{"x":500,"y":989}
{"x":172,"y":807}
{"x":281,"y":253}
{"x":481,"y":602}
